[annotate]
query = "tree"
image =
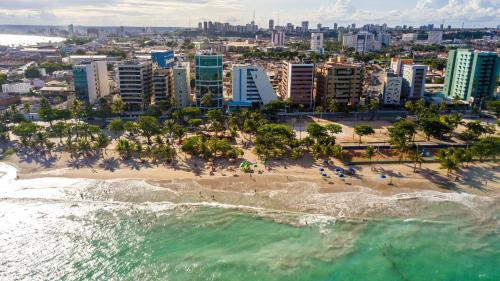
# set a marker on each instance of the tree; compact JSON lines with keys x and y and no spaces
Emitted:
{"x":363,"y":130}
{"x":27,"y":107}
{"x":475,"y":130}
{"x":196,"y":145}
{"x":369,"y":152}
{"x":316,"y":131}
{"x":410,"y":107}
{"x":148,"y":127}
{"x":487,"y":147}
{"x":400,"y":134}
{"x":124,"y":147}
{"x":45,"y":112}
{"x":25,"y":131}
{"x":432,"y":126}
{"x":448,"y":160}
{"x":418,"y":158}
{"x":333,"y":129}
{"x":102,"y":141}
{"x":333,"y":106}
{"x":274,"y":140}
{"x":59,"y":129}
{"x":494,"y":106}
{"x":116,"y":127}
{"x":132,"y":127}
{"x":118,"y":106}
{"x":206,"y":100}
{"x":32,"y":72}
{"x":373,"y":106}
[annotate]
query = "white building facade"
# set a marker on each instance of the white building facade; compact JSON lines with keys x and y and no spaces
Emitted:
{"x":317,"y":42}
{"x":251,"y":84}
{"x":392,"y":89}
{"x":182,"y":88}
{"x":278,"y":38}
{"x":414,"y":81}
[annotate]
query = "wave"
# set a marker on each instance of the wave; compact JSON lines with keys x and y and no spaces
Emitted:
{"x":303,"y":202}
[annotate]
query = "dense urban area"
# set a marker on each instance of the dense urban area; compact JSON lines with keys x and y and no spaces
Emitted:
{"x":355,"y":93}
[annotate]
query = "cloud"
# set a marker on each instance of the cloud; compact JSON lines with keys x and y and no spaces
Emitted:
{"x":179,"y":12}
{"x":473,"y":12}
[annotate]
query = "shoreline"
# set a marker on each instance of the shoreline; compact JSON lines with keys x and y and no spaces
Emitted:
{"x":291,"y":186}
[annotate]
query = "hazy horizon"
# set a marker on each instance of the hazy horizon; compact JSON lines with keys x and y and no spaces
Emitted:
{"x":187,"y":13}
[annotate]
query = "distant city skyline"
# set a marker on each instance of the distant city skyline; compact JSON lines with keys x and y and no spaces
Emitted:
{"x":187,"y":13}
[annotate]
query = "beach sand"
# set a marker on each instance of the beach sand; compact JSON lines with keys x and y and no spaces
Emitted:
{"x":295,"y":186}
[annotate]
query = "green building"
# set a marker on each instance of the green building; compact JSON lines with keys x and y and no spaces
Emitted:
{"x":471,"y":75}
{"x":209,"y":80}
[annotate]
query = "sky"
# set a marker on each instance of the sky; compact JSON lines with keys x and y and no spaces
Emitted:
{"x":184,"y":13}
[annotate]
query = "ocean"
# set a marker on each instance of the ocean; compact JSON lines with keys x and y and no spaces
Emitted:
{"x":67,"y":229}
{"x":25,"y":40}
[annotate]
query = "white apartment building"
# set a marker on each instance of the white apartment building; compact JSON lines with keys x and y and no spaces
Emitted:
{"x":251,"y":85}
{"x":91,"y":81}
{"x":362,"y":42}
{"x":414,"y":81}
{"x":17,"y":88}
{"x":278,"y":38}
{"x":410,"y":37}
{"x":435,"y":37}
{"x":392,"y":89}
{"x":182,"y":88}
{"x":317,"y":42}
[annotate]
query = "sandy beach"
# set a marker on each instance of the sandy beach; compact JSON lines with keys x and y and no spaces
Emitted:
{"x":288,"y":185}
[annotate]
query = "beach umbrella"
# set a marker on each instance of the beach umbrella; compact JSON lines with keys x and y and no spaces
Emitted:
{"x":352,"y":171}
{"x":321,"y":169}
{"x":341,"y":175}
{"x":383,"y":176}
{"x":324,"y":175}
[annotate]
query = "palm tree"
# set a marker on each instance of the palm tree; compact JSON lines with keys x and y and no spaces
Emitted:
{"x":370,"y":151}
{"x":118,"y":106}
{"x":418,"y":158}
{"x":206,"y":100}
{"x":27,"y":107}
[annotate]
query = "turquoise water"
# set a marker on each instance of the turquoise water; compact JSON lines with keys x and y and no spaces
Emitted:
{"x":56,"y":241}
{"x":49,"y":231}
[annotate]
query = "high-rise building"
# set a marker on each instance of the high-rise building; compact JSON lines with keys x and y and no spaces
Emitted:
{"x":398,"y":63}
{"x":163,"y":59}
{"x":471,"y":75}
{"x":209,"y":80}
{"x":135,"y":80}
{"x":71,"y":30}
{"x":413,"y":81}
{"x":271,"y":24}
{"x":200,"y":26}
{"x":93,"y":32}
{"x":392,"y":89}
{"x":341,"y":82}
{"x":182,"y":87}
{"x":362,"y":42}
{"x":305,"y":26}
{"x":317,"y":42}
{"x":335,"y":26}
{"x":435,"y":37}
{"x":319,"y":27}
{"x":409,"y":37}
{"x":91,"y":81}
{"x":162,"y":85}
{"x":251,"y":85}
{"x":278,"y":38}
{"x":297,"y":83}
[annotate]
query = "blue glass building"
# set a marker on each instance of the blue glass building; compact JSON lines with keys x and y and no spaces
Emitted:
{"x":81,"y":83}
